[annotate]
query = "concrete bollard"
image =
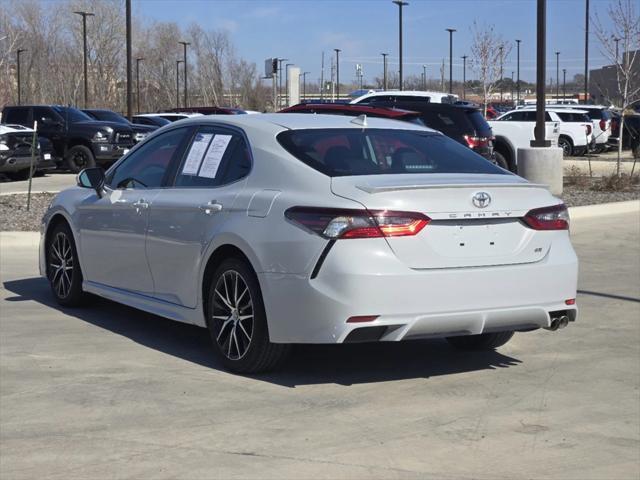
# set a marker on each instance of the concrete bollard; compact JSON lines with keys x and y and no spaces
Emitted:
{"x":542,"y":165}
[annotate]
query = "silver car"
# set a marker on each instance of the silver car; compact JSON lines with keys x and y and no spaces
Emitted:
{"x":277,"y":229}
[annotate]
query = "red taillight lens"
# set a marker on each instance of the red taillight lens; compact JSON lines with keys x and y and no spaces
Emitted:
{"x":343,"y":223}
{"x":571,"y":301}
{"x":475,"y":142}
{"x":603,"y":124}
{"x":548,"y":218}
{"x":362,"y":319}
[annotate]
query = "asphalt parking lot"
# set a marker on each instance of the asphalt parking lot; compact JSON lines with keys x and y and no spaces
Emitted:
{"x":109,"y":392}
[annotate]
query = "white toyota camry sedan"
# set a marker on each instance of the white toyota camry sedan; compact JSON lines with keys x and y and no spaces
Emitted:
{"x":277,"y":229}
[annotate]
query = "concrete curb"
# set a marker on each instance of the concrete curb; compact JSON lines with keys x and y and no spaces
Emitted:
{"x":19,"y":239}
{"x":25,"y":192}
{"x":601,"y":209}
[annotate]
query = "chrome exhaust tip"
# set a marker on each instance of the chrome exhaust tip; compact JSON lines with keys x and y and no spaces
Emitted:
{"x":558,"y":323}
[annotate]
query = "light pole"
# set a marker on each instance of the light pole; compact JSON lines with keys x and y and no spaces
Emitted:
{"x":280,"y":62}
{"x":518,"y":73}
{"x":464,"y":77}
{"x":586,"y":53}
{"x":138,"y":60}
{"x":128,"y":50}
{"x":400,"y":4}
{"x":541,"y":50}
{"x":304,"y":85}
{"x":451,"y":30}
{"x":337,"y":50}
{"x":424,"y":77}
{"x":184,"y":60}
{"x":617,"y":40}
{"x":178,"y":62}
{"x":512,"y":83}
{"x":564,"y":84}
{"x":557,"y":75}
{"x":501,"y":48}
{"x":18,"y":52}
{"x":84,"y":49}
{"x":384,"y":70}
{"x":286,"y":83}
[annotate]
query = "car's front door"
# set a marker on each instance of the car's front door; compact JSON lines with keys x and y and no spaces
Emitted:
{"x":184,"y":218}
{"x":113,"y":227}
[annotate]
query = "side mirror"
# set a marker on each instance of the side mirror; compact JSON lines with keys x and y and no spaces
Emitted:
{"x":49,"y":122}
{"x":92,"y":178}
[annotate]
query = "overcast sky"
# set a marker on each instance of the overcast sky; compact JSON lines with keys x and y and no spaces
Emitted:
{"x":301,"y":29}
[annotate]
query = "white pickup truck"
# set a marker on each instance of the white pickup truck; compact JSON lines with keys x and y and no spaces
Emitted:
{"x":509,"y":136}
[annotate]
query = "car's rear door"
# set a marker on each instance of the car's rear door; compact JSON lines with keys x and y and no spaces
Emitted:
{"x":113,"y":227}
{"x":185,"y":217}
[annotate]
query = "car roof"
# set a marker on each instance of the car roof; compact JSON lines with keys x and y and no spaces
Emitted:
{"x":362,"y":109}
{"x":556,"y":109}
{"x":276,"y":122}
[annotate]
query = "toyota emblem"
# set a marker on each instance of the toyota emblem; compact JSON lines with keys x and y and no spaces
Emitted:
{"x":481,"y":199}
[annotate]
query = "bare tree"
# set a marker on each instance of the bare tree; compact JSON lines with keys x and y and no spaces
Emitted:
{"x":488,"y":50}
{"x":625,"y":28}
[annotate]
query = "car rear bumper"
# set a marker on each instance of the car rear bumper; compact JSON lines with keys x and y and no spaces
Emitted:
{"x":17,"y":163}
{"x":359,"y":278}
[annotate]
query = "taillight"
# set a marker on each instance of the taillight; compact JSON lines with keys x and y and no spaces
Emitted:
{"x":603,"y":124}
{"x":475,"y":142}
{"x":548,"y":218}
{"x":345,"y":223}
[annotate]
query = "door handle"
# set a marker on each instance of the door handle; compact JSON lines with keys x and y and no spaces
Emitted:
{"x":141,"y":204}
{"x":211,"y":207}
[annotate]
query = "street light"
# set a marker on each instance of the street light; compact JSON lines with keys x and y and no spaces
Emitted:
{"x":138,"y":60}
{"x":518,"y":74}
{"x":557,"y":75}
{"x":178,"y":62}
{"x":304,"y":84}
{"x":464,"y":77}
{"x":564,"y":83}
{"x":337,"y":50}
{"x":84,"y":47}
{"x":617,"y":40}
{"x":400,"y":4}
{"x":424,"y":77}
{"x":185,"y":44}
{"x":18,"y":52}
{"x":384,"y":70}
{"x":451,"y":30}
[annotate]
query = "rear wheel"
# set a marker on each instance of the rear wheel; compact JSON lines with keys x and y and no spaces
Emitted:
{"x":79,"y":157}
{"x":501,"y":161}
{"x":485,"y":341}
{"x":567,"y":147}
{"x":237,"y":321}
{"x":63,"y":268}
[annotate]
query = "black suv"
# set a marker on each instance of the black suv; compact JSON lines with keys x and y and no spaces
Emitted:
{"x":463,"y":123}
{"x":139,"y":131}
{"x":76,"y":138}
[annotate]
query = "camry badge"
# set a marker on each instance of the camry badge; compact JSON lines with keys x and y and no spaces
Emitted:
{"x":481,"y":199}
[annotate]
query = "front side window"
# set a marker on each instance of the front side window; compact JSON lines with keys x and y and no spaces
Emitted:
{"x":43,"y":115}
{"x":17,"y":115}
{"x":72,"y":114}
{"x":347,"y":152}
{"x":146,"y":167}
{"x":215,"y":157}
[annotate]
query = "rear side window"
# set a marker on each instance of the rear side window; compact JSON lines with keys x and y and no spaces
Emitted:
{"x":347,"y":152}
{"x":478,"y":122}
{"x":16,"y":115}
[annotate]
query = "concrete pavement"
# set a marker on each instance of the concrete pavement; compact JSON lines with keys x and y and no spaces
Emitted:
{"x":51,"y":182}
{"x":108,"y":391}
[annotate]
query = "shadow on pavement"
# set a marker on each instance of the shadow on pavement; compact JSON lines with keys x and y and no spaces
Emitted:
{"x":308,"y":364}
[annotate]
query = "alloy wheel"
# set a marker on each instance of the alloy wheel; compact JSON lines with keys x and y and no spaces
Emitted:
{"x":61,"y":264}
{"x":80,"y":160}
{"x":232,"y":315}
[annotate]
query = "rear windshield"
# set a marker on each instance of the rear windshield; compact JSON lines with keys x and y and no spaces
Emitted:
{"x":350,"y":151}
{"x":478,"y":121}
{"x":574,"y":117}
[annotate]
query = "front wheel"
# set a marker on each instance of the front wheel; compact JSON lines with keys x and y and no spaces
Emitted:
{"x":237,"y":320}
{"x":79,"y":158}
{"x":485,"y":341}
{"x":63,"y":267}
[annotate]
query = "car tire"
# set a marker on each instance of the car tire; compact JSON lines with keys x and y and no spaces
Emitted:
{"x":63,"y":267}
{"x":485,"y":341}
{"x":567,"y":147}
{"x":500,"y":160}
{"x":237,"y":321}
{"x":79,"y":158}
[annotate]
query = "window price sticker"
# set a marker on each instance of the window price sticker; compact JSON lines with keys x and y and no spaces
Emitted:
{"x":214,"y":155}
{"x":196,"y":153}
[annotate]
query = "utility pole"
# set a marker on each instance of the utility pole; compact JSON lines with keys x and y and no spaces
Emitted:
{"x":564,"y":84}
{"x":286,"y":83}
{"x":184,"y":60}
{"x":128,"y":41}
{"x":518,"y":76}
{"x":322,"y":78}
{"x":304,"y":85}
{"x":451,"y":30}
{"x":464,"y":76}
{"x":84,"y":50}
{"x":337,"y":50}
{"x":442,"y":76}
{"x":138,"y":60}
{"x":280,"y":61}
{"x":424,"y":77}
{"x":541,"y":50}
{"x":512,"y":83}
{"x":18,"y":52}
{"x":384,"y":70}
{"x":617,"y":40}
{"x":501,"y":48}
{"x":586,"y":53}
{"x":178,"y":62}
{"x":400,"y":4}
{"x":557,"y":75}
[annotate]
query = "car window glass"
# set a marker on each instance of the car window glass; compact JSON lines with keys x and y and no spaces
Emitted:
{"x":41,"y":114}
{"x":214,"y":157}
{"x":17,"y":115}
{"x":146,"y":166}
